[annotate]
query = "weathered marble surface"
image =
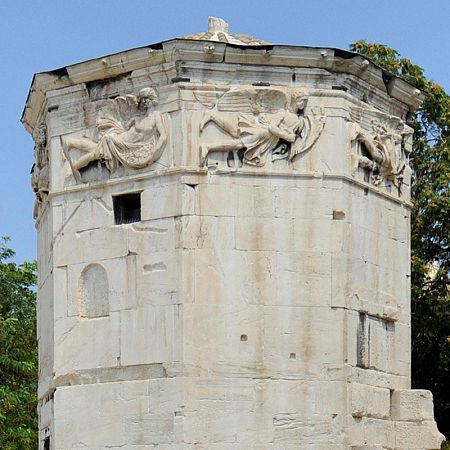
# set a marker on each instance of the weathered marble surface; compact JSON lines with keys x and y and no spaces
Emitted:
{"x":262,"y":300}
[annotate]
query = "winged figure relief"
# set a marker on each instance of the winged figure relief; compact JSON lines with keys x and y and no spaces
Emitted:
{"x":130,"y":131}
{"x":382,"y":151}
{"x":259,"y":122}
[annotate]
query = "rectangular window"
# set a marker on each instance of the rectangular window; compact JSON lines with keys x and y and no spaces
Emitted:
{"x":127,"y":208}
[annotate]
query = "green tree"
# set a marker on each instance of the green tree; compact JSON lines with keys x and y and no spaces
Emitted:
{"x":430,"y":230}
{"x":18,"y":353}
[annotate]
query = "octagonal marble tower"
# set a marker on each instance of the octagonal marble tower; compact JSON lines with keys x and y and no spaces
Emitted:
{"x":223,"y":230}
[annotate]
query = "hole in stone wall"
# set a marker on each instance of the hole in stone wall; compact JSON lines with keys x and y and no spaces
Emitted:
{"x":127,"y":208}
{"x":243,"y":337}
{"x":292,"y":356}
{"x":47,"y":443}
{"x":230,"y":159}
{"x":338,"y":215}
{"x":241,"y":156}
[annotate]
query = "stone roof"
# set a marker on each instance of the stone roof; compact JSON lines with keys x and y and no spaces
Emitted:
{"x":216,"y":45}
{"x":218,"y":31}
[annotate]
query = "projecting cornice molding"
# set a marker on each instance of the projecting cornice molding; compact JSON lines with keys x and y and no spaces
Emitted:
{"x":173,"y":52}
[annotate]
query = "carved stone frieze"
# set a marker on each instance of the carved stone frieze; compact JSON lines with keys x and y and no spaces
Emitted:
{"x":382,"y":152}
{"x":259,"y":123}
{"x":40,"y":169}
{"x":129,"y":132}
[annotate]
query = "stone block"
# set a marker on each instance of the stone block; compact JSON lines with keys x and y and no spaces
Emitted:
{"x":306,"y":203}
{"x":256,"y":201}
{"x":77,"y":214}
{"x":157,"y":278}
{"x":401,"y":358}
{"x":370,"y":401}
{"x":149,"y":429}
{"x":97,"y":429}
{"x":119,"y":287}
{"x":167,"y":201}
{"x":83,"y":343}
{"x":205,"y":232}
{"x":412,"y":405}
{"x":321,"y":235}
{"x":371,"y":431}
{"x":263,"y":234}
{"x":150,"y":335}
{"x":235,"y":277}
{"x":303,"y":398}
{"x":417,"y":435}
{"x":91,"y":245}
{"x":306,"y":340}
{"x":303,"y":279}
{"x":45,"y":334}
{"x":236,"y":346}
{"x":216,"y":200}
{"x":294,"y":431}
{"x":149,"y":236}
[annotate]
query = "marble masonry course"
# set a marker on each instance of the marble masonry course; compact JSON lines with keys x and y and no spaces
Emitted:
{"x":223,"y":250}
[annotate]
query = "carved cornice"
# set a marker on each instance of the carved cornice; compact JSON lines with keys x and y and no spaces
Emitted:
{"x":177,"y":51}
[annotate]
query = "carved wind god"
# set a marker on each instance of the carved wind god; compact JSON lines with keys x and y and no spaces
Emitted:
{"x":259,"y":124}
{"x":382,"y":153}
{"x":130,"y":132}
{"x":39,"y":171}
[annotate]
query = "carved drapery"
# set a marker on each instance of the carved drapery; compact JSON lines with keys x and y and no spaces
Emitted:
{"x":382,"y":152}
{"x":129,"y":132}
{"x":261,"y":123}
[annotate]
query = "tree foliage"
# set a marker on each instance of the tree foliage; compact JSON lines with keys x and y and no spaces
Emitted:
{"x":430,"y":230}
{"x":18,"y":353}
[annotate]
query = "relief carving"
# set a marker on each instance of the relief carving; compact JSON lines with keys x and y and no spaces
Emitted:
{"x":382,"y":153}
{"x":130,"y":132}
{"x":39,"y":171}
{"x":258,"y":123}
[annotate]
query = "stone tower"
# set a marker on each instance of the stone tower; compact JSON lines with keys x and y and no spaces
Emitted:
{"x":223,"y":230}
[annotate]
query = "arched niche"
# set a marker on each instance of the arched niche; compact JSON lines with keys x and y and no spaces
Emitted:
{"x":93,"y":291}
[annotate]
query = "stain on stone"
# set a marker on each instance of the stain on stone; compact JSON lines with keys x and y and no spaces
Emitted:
{"x":157,"y":267}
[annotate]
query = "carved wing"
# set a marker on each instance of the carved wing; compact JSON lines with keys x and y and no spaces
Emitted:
{"x":108,"y":108}
{"x":127,"y":107}
{"x":270,"y":100}
{"x":369,"y":119}
{"x":244,"y":100}
{"x":207,"y":98}
{"x":314,"y":124}
{"x":237,"y":100}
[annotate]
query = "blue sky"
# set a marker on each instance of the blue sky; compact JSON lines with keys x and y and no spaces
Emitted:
{"x":38,"y":35}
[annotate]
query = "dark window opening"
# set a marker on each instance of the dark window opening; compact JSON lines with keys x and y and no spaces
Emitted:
{"x":127,"y":208}
{"x":47,"y":443}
